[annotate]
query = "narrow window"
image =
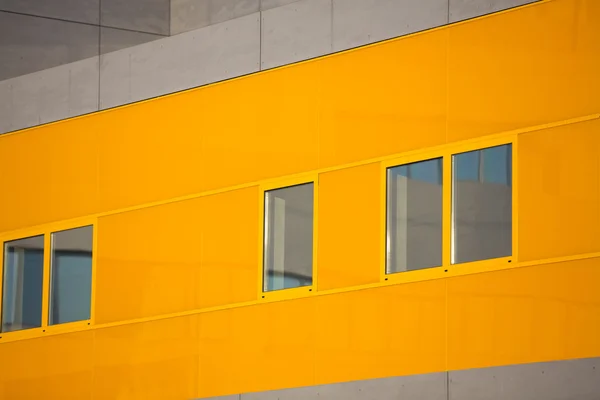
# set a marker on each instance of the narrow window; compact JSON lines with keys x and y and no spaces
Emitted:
{"x":71,"y":275}
{"x":414,"y":216}
{"x":288,"y":237}
{"x":482,"y":204}
{"x":22,"y":284}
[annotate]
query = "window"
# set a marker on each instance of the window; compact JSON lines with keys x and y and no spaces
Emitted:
{"x":23,"y":281}
{"x":482,"y":204}
{"x":414,"y":216}
{"x":71,"y":275}
{"x":39,"y":291}
{"x":288,"y":237}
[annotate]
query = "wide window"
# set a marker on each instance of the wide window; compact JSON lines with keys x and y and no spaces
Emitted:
{"x":23,"y":280}
{"x":482,"y":204}
{"x":71,"y":275}
{"x":414,"y":216}
{"x":288,"y":237}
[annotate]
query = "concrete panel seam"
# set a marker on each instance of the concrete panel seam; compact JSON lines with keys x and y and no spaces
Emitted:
{"x":77,"y":22}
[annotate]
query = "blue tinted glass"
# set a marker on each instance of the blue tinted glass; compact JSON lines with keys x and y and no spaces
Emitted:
{"x":426,"y":171}
{"x":497,"y":164}
{"x":466,"y":166}
{"x":401,"y":170}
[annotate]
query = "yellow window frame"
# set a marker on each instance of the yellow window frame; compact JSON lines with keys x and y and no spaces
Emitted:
{"x":447,"y":268}
{"x":291,"y":293}
{"x":47,"y":230}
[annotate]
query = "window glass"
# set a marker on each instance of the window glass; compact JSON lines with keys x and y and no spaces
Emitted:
{"x":288,"y":237}
{"x":482,"y":204}
{"x":22,"y":284}
{"x":71,"y":275}
{"x":414,"y":216}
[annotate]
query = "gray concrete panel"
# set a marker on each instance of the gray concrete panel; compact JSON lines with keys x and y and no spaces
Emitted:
{"x":25,"y":104}
{"x":359,"y":22}
{"x":30,"y":44}
{"x":465,"y":9}
{"x":231,"y":397}
{"x":113,"y":39}
{"x":187,"y":15}
{"x":83,"y":86}
{"x":5,"y":106}
{"x":268,"y":4}
{"x":53,"y":94}
{"x":150,"y":16}
{"x":115,"y":78}
{"x":416,"y":387}
{"x":560,"y":380}
{"x":50,"y":95}
{"x":296,"y":32}
{"x":73,"y":10}
{"x":210,"y":54}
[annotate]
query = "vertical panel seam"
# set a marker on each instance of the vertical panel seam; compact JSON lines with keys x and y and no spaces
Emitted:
{"x":331,"y":28}
{"x":99,"y":50}
{"x":447,"y":385}
{"x":168,"y":18}
{"x":260,"y":34}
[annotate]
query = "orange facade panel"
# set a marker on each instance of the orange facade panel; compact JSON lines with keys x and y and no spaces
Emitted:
{"x":522,"y":315}
{"x":528,"y":67}
{"x":559,"y":191}
{"x":349,"y":227}
{"x":514,"y":70}
{"x":151,"y":258}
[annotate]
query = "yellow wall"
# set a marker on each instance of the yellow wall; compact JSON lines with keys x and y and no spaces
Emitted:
{"x":177,"y":311}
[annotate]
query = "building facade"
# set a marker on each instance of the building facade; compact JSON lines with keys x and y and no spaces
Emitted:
{"x":229,"y":211}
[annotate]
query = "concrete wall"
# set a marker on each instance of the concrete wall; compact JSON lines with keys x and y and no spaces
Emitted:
{"x":560,"y":380}
{"x":222,"y":39}
{"x":36,"y":35}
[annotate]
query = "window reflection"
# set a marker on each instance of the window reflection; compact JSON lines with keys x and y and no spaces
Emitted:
{"x":414,"y":216}
{"x":22,"y":284}
{"x":71,"y":274}
{"x":482,"y":204}
{"x":288,"y":249}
